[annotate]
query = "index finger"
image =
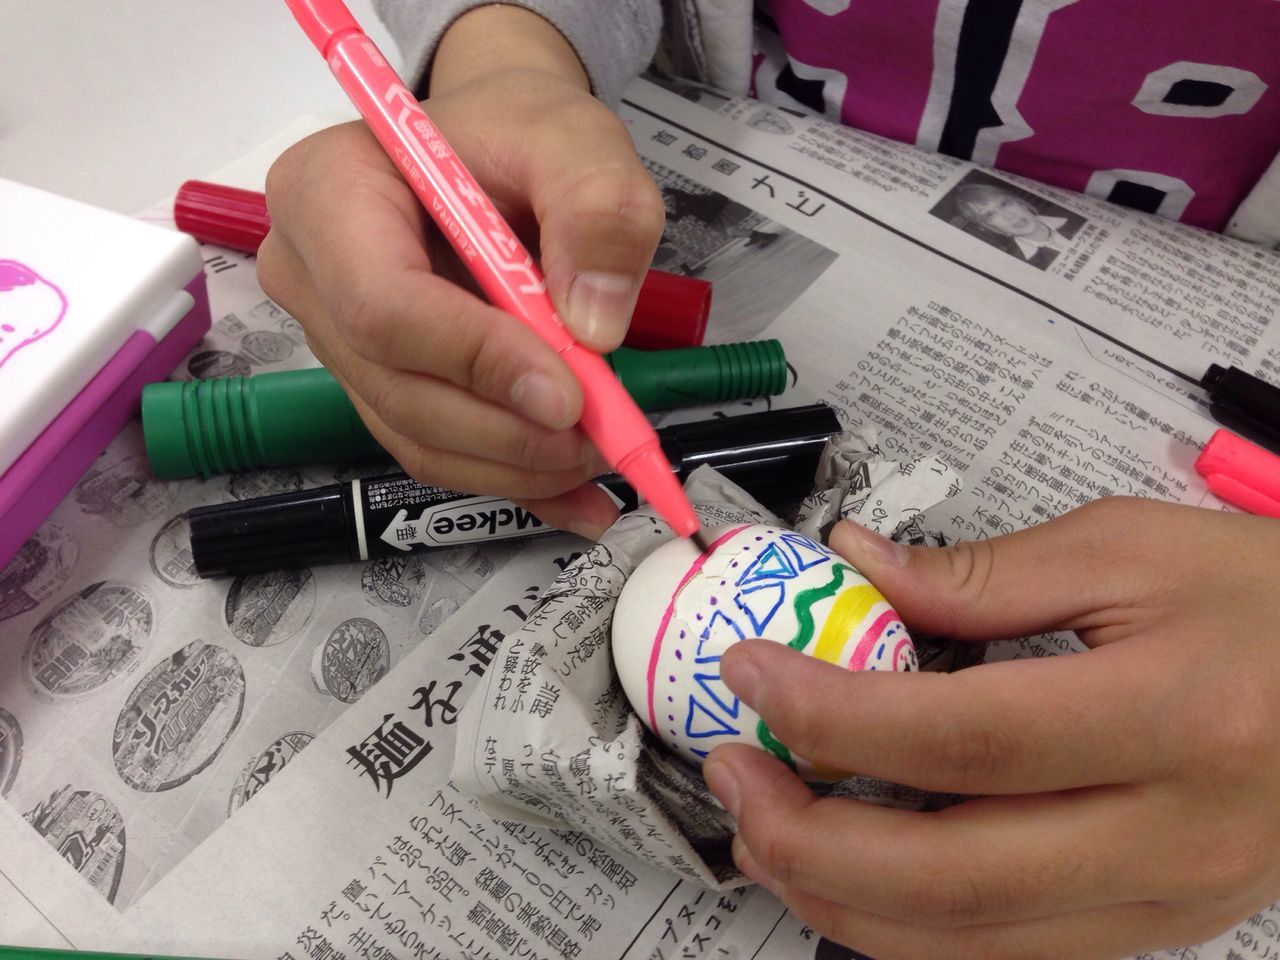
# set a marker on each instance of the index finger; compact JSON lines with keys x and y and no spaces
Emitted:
{"x":1023,"y":726}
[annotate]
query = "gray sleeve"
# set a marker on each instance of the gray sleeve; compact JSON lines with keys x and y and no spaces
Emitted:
{"x":614,"y":39}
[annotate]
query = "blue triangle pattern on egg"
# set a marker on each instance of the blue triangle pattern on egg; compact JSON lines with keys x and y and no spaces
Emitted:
{"x":721,"y":632}
{"x":760,"y":603}
{"x":701,"y":722}
{"x":771,"y":564}
{"x":715,"y":689}
{"x":804,"y":552}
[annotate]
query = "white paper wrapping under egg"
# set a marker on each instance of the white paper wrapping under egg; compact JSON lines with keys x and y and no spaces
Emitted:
{"x":548,"y":737}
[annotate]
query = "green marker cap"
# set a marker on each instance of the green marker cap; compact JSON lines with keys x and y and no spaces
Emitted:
{"x":667,"y":379}
{"x":204,"y":427}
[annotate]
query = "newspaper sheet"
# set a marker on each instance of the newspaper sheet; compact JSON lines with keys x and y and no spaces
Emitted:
{"x":1044,"y":372}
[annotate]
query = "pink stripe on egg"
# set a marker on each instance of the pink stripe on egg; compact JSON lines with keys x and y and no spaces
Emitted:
{"x":869,"y":639}
{"x":656,"y":649}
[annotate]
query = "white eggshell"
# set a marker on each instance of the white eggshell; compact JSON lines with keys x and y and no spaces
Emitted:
{"x":681,"y":610}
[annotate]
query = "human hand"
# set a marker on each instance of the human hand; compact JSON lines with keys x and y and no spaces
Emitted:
{"x":1128,"y":793}
{"x":462,"y":394}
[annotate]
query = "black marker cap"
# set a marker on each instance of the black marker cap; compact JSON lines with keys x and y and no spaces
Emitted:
{"x":775,"y":481}
{"x":281,"y":532}
{"x":727,"y":441}
{"x":772,"y":455}
{"x":1247,"y":404}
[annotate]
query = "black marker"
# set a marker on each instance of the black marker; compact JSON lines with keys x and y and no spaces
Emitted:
{"x":771,"y":455}
{"x":1246,"y":404}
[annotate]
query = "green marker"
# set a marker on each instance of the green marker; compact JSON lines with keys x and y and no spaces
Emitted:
{"x":670,"y":379}
{"x":199,"y":428}
{"x":205,"y":427}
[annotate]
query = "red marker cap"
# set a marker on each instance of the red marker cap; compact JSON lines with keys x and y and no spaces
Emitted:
{"x":1241,"y":473}
{"x":671,"y":310}
{"x":226,"y":216}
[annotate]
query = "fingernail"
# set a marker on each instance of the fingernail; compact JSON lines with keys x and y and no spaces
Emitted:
{"x":600,"y":307}
{"x":723,"y":784}
{"x":542,"y":399}
{"x":875,"y":548}
{"x":741,"y":675}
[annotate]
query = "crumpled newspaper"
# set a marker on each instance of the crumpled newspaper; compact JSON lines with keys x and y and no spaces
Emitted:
{"x":548,"y":737}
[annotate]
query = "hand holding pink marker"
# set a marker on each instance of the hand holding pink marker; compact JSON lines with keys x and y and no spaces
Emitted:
{"x":487,"y":245}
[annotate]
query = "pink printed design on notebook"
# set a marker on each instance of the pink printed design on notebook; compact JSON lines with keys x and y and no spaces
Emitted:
{"x":30,"y":307}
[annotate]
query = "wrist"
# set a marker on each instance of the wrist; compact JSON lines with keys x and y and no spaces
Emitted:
{"x":499,"y":38}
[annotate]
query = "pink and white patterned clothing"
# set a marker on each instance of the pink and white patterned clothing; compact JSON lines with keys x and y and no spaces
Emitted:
{"x":1170,"y":106}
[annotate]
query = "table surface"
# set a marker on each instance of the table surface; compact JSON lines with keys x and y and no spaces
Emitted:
{"x":116,"y":102}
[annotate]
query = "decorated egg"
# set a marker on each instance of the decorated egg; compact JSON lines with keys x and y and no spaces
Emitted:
{"x":682,"y":609}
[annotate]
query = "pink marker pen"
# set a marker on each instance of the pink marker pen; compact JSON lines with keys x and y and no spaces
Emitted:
{"x":1241,"y":473}
{"x":487,"y":245}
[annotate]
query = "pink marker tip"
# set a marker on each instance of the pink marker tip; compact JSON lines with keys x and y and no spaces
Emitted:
{"x":649,"y":471}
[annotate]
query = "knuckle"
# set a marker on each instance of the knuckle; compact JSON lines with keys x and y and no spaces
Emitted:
{"x":1232,"y":868}
{"x":388,"y":397}
{"x":283,"y":173}
{"x":974,"y":755}
{"x":566,"y":450}
{"x":272,"y":271}
{"x":366,"y":326}
{"x":530,"y":484}
{"x":774,"y":850}
{"x":1238,"y":737}
{"x":539,"y":450}
{"x":970,"y":567}
{"x":525,"y":448}
{"x":484,"y":365}
{"x":803,"y":725}
{"x":417,"y":460}
{"x":950,"y":898}
{"x":623,"y":195}
{"x":582,"y":119}
{"x":1111,"y":524}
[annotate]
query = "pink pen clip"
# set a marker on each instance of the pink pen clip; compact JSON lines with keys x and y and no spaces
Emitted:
{"x":1241,"y":473}
{"x":488,"y":246}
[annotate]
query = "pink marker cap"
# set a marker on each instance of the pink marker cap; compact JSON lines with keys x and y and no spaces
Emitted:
{"x":1241,"y":473}
{"x":323,"y":20}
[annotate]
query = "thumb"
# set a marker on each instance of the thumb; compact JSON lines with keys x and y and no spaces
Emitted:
{"x":1070,"y":573}
{"x":599,"y":226}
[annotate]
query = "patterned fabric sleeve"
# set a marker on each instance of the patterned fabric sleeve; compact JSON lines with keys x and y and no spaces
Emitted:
{"x":614,"y":39}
